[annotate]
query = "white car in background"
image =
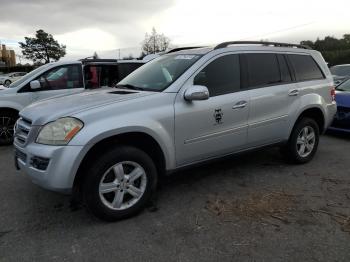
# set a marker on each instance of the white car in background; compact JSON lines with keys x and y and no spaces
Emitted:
{"x":7,"y":79}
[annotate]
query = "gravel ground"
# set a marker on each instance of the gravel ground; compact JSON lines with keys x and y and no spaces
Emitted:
{"x":252,"y":207}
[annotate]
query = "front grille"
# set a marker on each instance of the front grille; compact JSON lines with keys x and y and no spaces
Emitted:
{"x":20,"y":155}
{"x":23,"y":127}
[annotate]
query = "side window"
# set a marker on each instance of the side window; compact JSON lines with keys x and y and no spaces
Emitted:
{"x":263,"y":69}
{"x":305,"y":67}
{"x":62,"y":77}
{"x":285,"y":73}
{"x":222,"y":76}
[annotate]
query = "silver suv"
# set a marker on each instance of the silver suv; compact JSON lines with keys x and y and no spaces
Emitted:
{"x":185,"y":107}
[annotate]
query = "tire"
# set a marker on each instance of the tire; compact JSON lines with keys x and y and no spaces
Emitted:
{"x":7,"y":123}
{"x":303,"y":141}
{"x":7,"y":83}
{"x":113,"y":173}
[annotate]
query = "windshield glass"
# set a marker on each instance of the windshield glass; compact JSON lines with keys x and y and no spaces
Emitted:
{"x":160,"y":73}
{"x":340,"y":70}
{"x":345,"y":86}
{"x":28,"y":76}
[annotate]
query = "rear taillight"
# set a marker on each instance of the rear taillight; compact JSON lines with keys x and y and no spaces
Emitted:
{"x":333,"y":93}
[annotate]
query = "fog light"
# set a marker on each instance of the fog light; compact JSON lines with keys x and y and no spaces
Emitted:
{"x":39,"y":162}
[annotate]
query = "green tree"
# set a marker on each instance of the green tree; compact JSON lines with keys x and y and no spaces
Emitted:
{"x":334,"y":50}
{"x":42,"y":48}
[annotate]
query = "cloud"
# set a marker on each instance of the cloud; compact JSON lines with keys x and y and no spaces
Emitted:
{"x":83,"y":25}
{"x":108,"y":26}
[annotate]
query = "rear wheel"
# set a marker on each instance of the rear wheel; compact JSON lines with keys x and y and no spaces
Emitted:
{"x":303,"y":141}
{"x":7,"y":83}
{"x":120,"y":183}
{"x":7,"y":123}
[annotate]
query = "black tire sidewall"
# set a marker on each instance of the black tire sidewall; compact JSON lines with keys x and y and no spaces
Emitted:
{"x":7,"y":83}
{"x":95,"y":172}
{"x":14,"y":117}
{"x":292,"y":152}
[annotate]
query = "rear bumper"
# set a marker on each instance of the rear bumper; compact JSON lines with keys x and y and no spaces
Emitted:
{"x":330,"y":114}
{"x":336,"y":129}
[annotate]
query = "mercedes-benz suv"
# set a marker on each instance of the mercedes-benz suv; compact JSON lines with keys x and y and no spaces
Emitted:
{"x":186,"y":107}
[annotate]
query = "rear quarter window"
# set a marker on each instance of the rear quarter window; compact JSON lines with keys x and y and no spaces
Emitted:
{"x":305,"y":68}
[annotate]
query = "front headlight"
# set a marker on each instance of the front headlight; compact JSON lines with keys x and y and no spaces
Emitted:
{"x":59,"y":132}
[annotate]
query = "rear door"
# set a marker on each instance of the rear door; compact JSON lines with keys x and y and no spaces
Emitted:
{"x":217,"y":126}
{"x":272,"y":93}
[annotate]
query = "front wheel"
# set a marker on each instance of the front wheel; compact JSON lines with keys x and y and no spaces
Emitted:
{"x":7,"y":83}
{"x":303,"y":141}
{"x":120,"y":183}
{"x":7,"y":123}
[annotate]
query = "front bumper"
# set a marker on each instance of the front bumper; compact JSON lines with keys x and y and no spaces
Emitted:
{"x":59,"y":171}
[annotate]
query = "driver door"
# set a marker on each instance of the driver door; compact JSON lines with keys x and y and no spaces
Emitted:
{"x":219,"y":125}
{"x":61,"y":80}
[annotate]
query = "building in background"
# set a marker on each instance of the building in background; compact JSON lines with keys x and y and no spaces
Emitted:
{"x":7,"y":57}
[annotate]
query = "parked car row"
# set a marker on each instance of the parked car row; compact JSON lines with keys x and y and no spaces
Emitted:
{"x":109,"y":147}
{"x":340,"y":73}
{"x":7,"y":79}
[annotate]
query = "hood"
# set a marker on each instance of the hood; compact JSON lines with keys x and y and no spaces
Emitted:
{"x":342,"y":98}
{"x":51,"y":109}
{"x":2,"y":87}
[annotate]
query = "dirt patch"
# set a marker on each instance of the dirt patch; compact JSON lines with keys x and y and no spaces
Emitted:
{"x":277,"y":205}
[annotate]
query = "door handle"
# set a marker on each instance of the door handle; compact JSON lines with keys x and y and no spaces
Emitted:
{"x":293,"y":92}
{"x":240,"y":104}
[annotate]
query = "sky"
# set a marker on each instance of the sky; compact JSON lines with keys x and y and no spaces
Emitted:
{"x":116,"y":28}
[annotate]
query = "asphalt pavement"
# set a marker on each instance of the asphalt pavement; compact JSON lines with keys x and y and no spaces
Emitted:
{"x":252,"y":207}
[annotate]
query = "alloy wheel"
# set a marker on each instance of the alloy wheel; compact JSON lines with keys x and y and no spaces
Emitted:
{"x":122,"y":185}
{"x":306,"y":141}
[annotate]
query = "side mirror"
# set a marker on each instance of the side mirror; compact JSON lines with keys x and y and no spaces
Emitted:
{"x":35,"y":85}
{"x":196,"y":92}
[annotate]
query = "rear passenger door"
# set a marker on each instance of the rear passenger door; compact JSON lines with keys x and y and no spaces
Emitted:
{"x":217,"y":126}
{"x":271,"y":88}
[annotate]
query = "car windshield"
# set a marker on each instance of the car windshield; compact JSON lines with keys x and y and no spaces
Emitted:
{"x":160,"y":73}
{"x":28,"y":76}
{"x":340,"y":70}
{"x":345,"y":86}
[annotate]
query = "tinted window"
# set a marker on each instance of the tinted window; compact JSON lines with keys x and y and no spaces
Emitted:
{"x":305,"y":67}
{"x":63,"y":77}
{"x":285,"y":74}
{"x":263,"y":69}
{"x":222,"y":76}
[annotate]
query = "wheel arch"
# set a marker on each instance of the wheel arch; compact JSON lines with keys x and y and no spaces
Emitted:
{"x":9,"y":109}
{"x":140,"y":140}
{"x":315,"y":113}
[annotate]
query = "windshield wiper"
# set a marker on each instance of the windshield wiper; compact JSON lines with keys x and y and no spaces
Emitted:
{"x":128,"y":86}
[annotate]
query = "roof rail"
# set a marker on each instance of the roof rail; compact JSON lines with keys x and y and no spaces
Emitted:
{"x":276,"y":44}
{"x":183,"y":48}
{"x":98,"y":60}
